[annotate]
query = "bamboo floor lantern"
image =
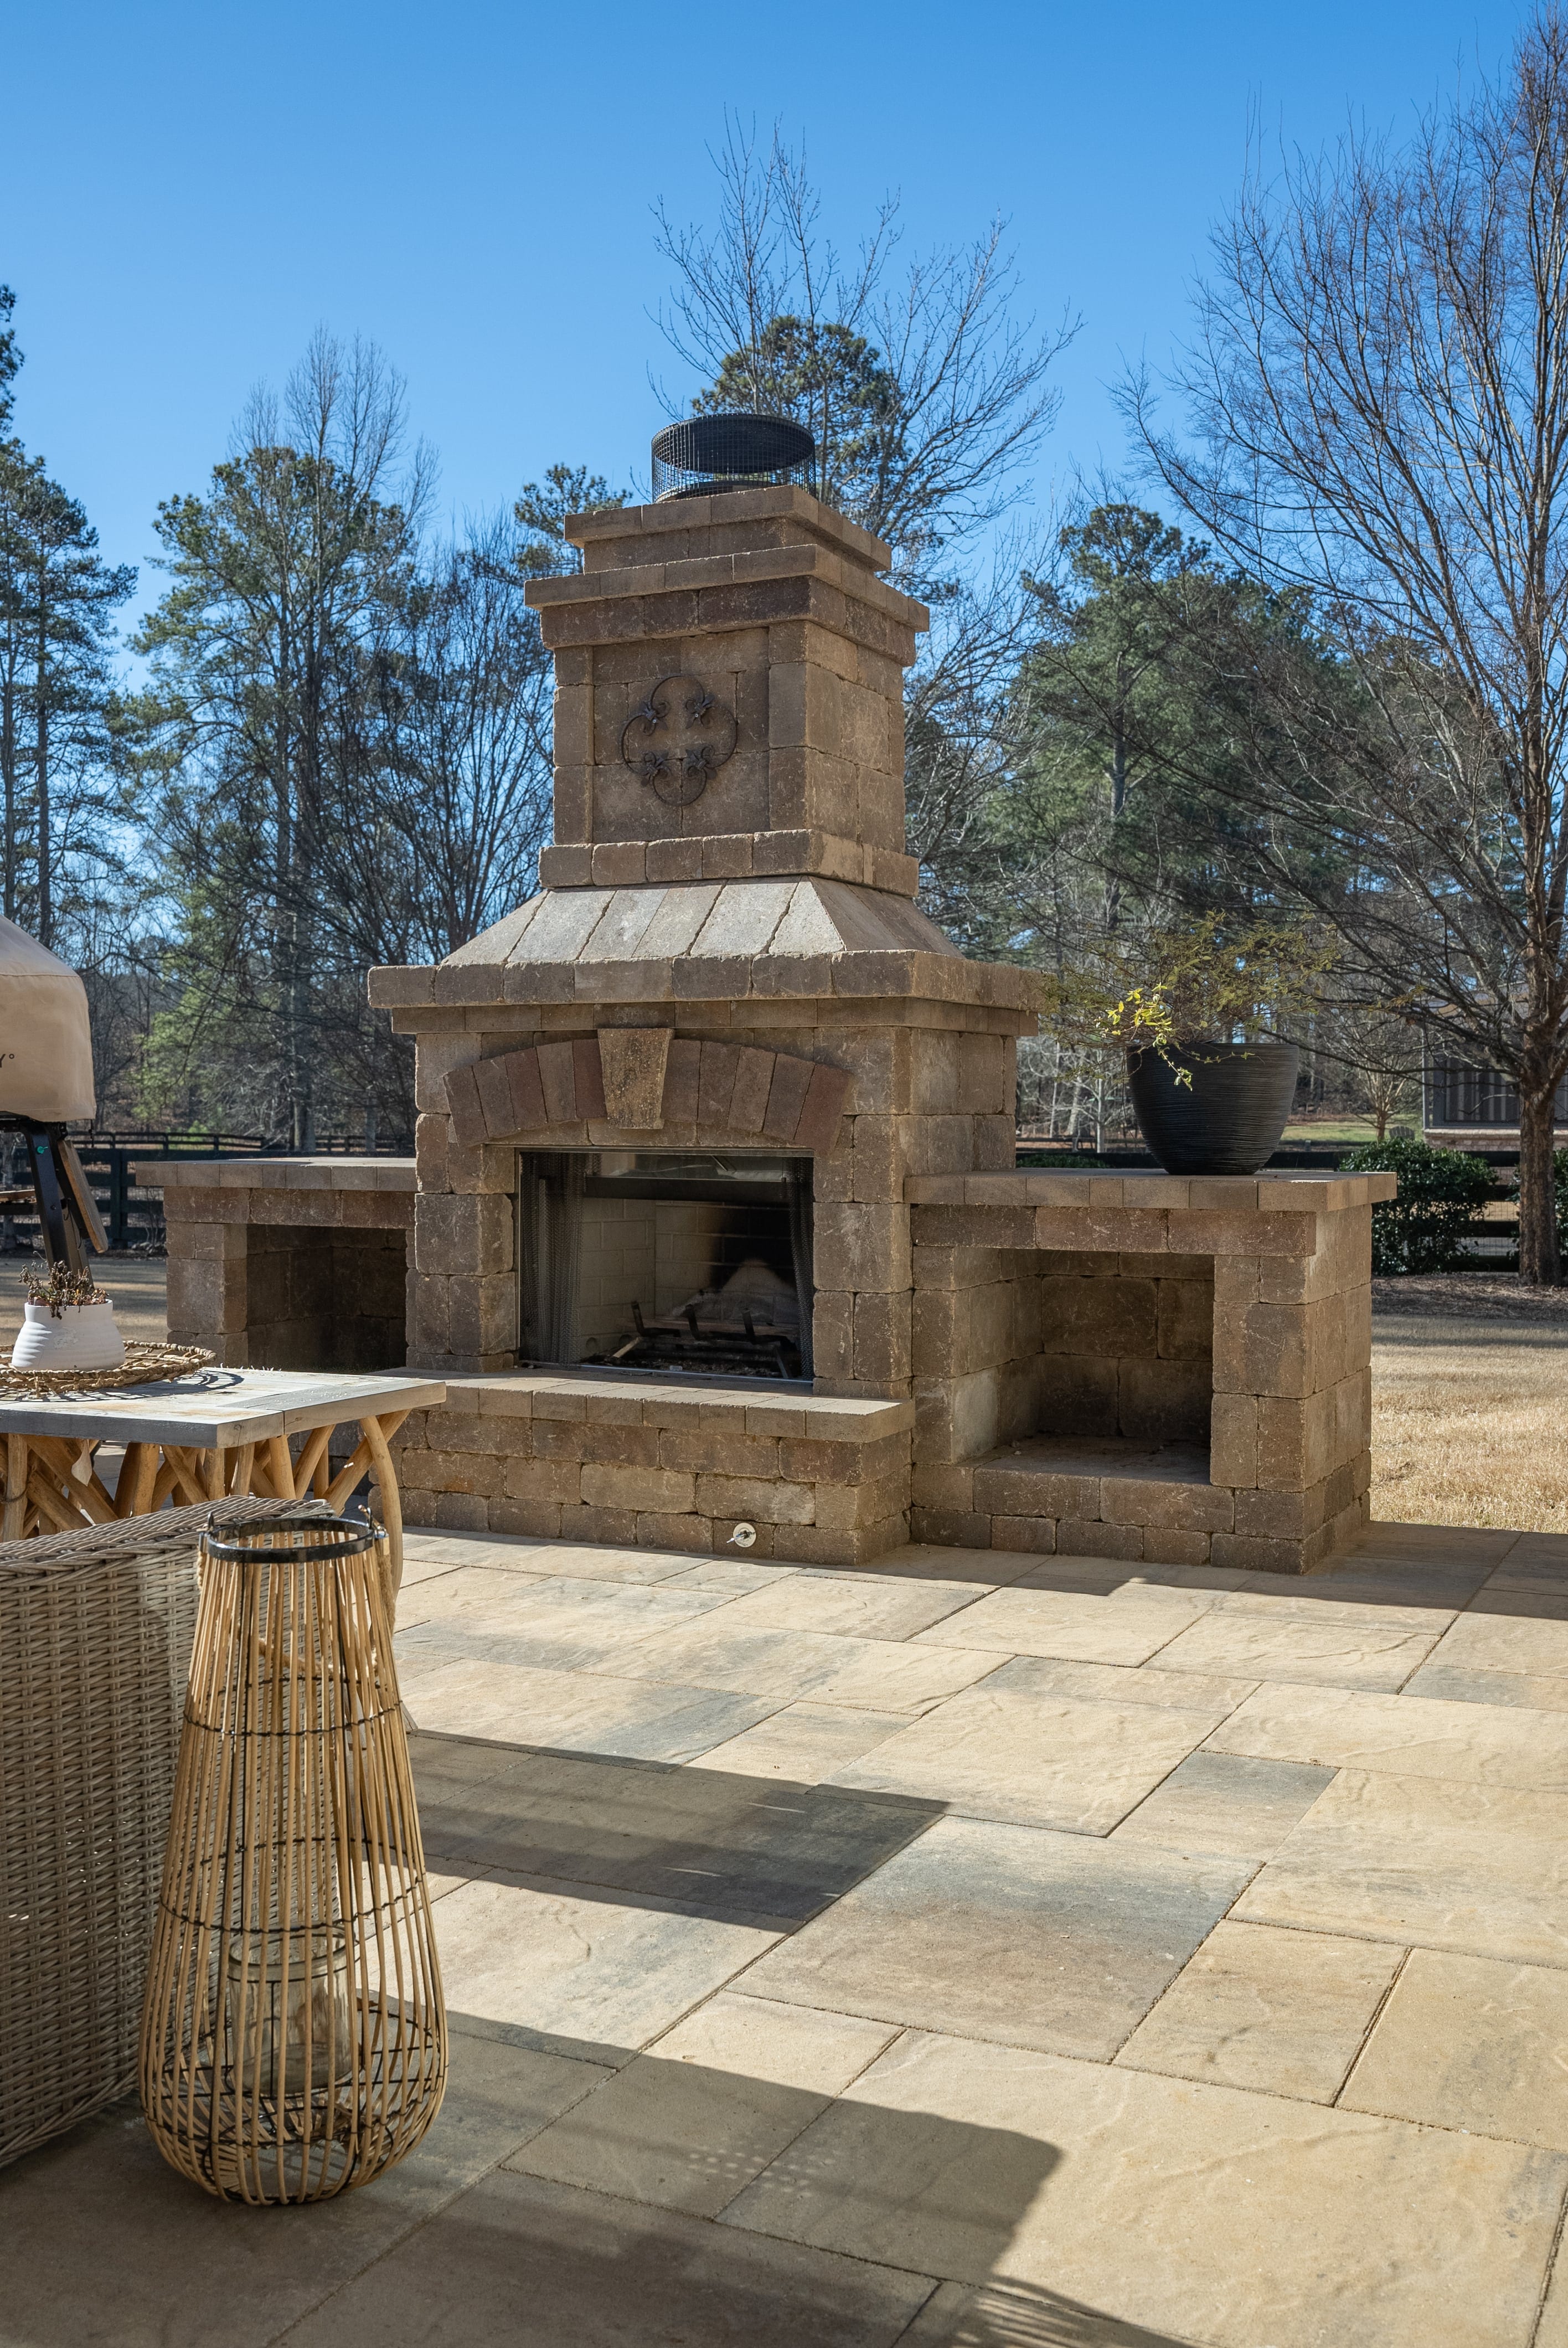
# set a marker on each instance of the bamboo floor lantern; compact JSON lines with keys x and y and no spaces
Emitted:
{"x":294,"y":2038}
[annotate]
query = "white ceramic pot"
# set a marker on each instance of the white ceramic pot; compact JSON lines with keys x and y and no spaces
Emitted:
{"x":83,"y":1337}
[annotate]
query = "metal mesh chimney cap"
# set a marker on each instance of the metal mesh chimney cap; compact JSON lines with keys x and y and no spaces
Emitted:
{"x":702,"y":455}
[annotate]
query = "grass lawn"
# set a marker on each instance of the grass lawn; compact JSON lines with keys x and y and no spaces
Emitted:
{"x":1470,"y":1399}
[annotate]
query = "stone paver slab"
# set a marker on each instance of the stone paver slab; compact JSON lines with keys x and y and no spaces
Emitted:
{"x":1008,"y":1932}
{"x":1472,"y":2042}
{"x":1032,"y":1758}
{"x":1343,"y":1728}
{"x":541,"y":1965}
{"x":520,"y":2259}
{"x":1301,"y":1645}
{"x":869,"y":1674}
{"x":1221,"y":1802}
{"x":1119,"y":1684}
{"x":1452,"y":1684}
{"x":1283,"y":2012}
{"x":803,"y":1742}
{"x":105,"y":2246}
{"x":849,"y":1605}
{"x":1552,"y":2331}
{"x":1356,"y":1601}
{"x":692,"y":2122}
{"x":1077,"y":1626}
{"x":1508,"y":1631}
{"x":639,"y":1719}
{"x":1433,"y":1861}
{"x":1203,"y":2213}
{"x":717,"y":1836}
{"x":731,"y":1576}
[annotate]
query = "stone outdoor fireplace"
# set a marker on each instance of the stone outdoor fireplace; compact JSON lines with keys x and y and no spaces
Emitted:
{"x":716,"y":1221}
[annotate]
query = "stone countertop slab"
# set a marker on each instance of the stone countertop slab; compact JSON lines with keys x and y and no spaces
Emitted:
{"x":679,"y":1402}
{"x":327,"y":1173}
{"x":219,"y":1406}
{"x":1285,"y":1191}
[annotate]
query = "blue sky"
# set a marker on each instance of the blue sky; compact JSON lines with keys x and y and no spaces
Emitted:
{"x":189,"y":191}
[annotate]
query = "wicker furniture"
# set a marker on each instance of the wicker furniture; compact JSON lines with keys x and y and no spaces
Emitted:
{"x":95,"y":1637}
{"x":294,"y":2039}
{"x":190,"y":1438}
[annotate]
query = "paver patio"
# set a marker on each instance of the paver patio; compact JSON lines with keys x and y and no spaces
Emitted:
{"x":962,"y":1952}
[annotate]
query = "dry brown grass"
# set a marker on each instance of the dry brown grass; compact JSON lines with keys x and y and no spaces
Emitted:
{"x":1468,"y":1422}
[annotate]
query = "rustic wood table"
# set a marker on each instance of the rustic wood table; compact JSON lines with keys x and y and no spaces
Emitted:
{"x":196,"y":1437}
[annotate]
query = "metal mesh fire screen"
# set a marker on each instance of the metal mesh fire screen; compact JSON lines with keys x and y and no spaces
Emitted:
{"x":666,"y":1261}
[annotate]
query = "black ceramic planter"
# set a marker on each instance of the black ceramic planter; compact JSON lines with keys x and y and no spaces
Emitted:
{"x":1229,"y":1119}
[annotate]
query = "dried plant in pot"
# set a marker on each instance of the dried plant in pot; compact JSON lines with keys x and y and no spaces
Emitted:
{"x":69,"y":1324}
{"x":1211,"y":1076}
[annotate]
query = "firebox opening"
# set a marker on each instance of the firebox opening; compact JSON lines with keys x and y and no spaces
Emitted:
{"x":666,"y":1262}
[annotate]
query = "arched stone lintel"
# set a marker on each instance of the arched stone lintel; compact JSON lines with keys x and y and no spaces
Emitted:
{"x":641,"y":1079}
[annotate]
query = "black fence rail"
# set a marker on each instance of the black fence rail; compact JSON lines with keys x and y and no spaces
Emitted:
{"x":133,"y":1217}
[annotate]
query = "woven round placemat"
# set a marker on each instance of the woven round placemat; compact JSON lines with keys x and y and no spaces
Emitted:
{"x":144,"y":1362}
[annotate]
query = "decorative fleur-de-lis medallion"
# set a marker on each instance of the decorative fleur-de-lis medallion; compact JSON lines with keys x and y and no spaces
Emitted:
{"x":677,"y":740}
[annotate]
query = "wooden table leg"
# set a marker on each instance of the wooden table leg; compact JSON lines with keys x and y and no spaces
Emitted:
{"x":15,"y":1509}
{"x":375,"y":1435}
{"x":282,"y":1466}
{"x":138,"y":1475}
{"x":213,"y":1463}
{"x":244,"y":1466}
{"x":310,"y":1473}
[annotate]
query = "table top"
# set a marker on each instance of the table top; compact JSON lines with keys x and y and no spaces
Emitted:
{"x":215,"y":1406}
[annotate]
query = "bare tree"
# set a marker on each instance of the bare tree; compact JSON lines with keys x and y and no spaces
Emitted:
{"x":1379,"y":388}
{"x":925,"y":394}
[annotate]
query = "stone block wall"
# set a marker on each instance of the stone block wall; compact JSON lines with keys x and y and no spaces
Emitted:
{"x":656,"y":1464}
{"x":289,"y":1264}
{"x":1127,"y":1346}
{"x":325,"y":1297}
{"x":929,"y":1089}
{"x":1200,"y":1393}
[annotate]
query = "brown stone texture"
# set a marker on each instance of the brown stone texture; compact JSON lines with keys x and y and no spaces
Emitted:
{"x":280,"y":1286}
{"x":1149,"y":1398}
{"x":824,"y":1482}
{"x":632,"y":1062}
{"x":657,"y":1080}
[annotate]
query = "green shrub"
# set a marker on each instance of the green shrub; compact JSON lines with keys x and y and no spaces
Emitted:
{"x":1440,"y":1191}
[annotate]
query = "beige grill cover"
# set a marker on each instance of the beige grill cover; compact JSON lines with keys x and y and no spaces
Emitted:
{"x":46,"y":1045}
